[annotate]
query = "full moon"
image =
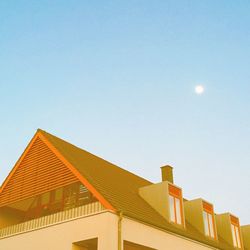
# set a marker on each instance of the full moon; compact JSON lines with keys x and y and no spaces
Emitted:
{"x":199,"y":89}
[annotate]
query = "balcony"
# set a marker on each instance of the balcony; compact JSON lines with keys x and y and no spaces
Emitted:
{"x":59,"y":217}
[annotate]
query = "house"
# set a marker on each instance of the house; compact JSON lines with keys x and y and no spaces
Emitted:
{"x":59,"y":196}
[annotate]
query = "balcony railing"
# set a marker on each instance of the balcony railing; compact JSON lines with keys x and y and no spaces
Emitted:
{"x":52,"y":219}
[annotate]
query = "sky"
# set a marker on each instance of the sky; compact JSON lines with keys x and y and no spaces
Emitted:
{"x":117,"y":79}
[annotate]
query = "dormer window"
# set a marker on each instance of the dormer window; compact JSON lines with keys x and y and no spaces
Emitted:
{"x":235,"y":231}
{"x":175,"y":205}
{"x":208,"y":217}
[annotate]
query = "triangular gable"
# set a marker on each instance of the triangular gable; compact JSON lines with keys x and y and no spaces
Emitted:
{"x":40,"y":169}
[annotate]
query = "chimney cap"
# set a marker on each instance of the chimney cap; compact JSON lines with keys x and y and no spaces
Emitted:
{"x":167,"y":166}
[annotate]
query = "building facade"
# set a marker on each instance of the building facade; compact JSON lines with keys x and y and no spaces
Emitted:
{"x":59,"y":196}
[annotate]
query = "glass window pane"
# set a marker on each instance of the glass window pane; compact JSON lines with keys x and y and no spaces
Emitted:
{"x":211,"y":225}
{"x":205,"y":218}
{"x":45,"y":198}
{"x":238,"y":236}
{"x":58,"y":194}
{"x":34,"y":203}
{"x":178,"y":210}
{"x":171,"y":208}
{"x":233,"y":234}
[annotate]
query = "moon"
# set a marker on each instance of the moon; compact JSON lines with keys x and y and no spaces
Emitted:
{"x":199,"y":89}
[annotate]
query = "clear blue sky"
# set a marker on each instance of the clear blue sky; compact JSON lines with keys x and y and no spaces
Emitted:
{"x":117,"y":78}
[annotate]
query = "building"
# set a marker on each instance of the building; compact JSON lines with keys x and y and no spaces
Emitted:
{"x":59,"y":196}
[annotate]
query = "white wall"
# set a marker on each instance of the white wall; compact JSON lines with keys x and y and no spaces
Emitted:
{"x":103,"y":226}
{"x":61,"y":236}
{"x":148,"y":236}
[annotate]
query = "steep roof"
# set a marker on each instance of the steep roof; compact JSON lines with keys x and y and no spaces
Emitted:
{"x":120,"y":188}
{"x":116,"y":188}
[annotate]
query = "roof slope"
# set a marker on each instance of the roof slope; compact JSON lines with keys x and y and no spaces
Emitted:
{"x":120,"y":188}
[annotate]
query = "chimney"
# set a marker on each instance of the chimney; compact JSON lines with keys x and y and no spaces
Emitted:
{"x":167,"y":173}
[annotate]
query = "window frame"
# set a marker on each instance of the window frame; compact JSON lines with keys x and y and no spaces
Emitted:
{"x":176,"y":194}
{"x":236,"y":236}
{"x":209,"y":210}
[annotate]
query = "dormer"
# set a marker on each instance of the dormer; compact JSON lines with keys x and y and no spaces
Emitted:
{"x":166,"y":198}
{"x":200,"y":214}
{"x":245,"y":230}
{"x":228,"y":227}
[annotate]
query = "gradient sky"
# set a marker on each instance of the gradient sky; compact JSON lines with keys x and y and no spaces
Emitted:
{"x":117,"y":78}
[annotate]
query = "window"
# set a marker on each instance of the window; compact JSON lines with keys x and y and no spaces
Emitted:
{"x":175,"y":205}
{"x":63,"y":198}
{"x":208,"y":217}
{"x":235,"y":231}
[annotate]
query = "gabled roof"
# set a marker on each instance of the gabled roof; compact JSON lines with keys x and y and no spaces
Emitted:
{"x":40,"y":169}
{"x":117,"y":188}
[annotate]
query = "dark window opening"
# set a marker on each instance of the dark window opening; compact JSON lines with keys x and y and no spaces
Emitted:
{"x":60,"y":199}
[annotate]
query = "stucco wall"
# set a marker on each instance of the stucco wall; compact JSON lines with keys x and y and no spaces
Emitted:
{"x":144,"y":235}
{"x":61,"y":236}
{"x":105,"y":227}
